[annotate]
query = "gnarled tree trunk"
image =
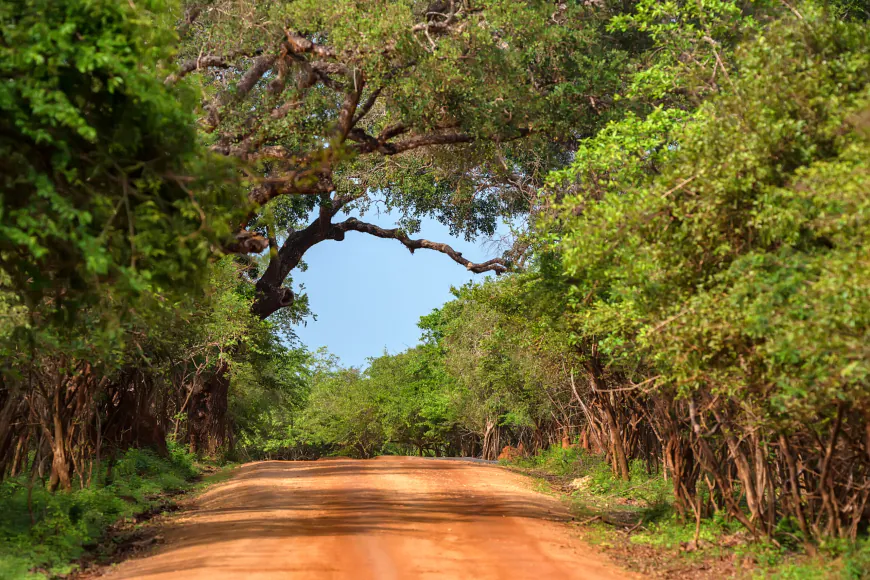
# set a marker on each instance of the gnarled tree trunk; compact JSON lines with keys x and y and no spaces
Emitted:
{"x":207,"y":421}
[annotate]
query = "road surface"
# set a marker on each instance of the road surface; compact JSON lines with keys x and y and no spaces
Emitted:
{"x":382,"y":519}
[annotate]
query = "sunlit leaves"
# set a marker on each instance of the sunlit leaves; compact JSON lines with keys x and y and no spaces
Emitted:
{"x":107,"y":198}
{"x":724,"y":245}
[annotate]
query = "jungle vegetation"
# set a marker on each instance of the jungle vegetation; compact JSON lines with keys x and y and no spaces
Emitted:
{"x":691,"y":291}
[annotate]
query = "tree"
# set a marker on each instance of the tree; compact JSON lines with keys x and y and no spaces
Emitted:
{"x":269,"y":391}
{"x":511,"y":368}
{"x":414,"y":399}
{"x":101,"y":166}
{"x":101,"y":171}
{"x":449,"y":109}
{"x":454,"y":110}
{"x":718,"y":273}
{"x":344,"y":414}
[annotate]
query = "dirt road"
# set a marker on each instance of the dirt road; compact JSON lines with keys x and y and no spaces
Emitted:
{"x":383,"y":519}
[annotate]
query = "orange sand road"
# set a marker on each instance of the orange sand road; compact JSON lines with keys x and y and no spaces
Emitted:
{"x":383,"y":519}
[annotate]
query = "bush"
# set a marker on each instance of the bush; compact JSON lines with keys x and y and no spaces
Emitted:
{"x":47,"y":531}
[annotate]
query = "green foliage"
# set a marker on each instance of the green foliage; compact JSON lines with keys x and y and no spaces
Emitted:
{"x":744,"y":256}
{"x":688,"y":44}
{"x":268,"y":393}
{"x":505,"y":346}
{"x":48,"y":531}
{"x":556,"y":460}
{"x":102,"y":171}
{"x":592,"y":476}
{"x":344,"y":412}
{"x":107,"y":197}
{"x":715,"y":267}
{"x":495,"y":74}
{"x":416,"y":400}
{"x":399,"y":404}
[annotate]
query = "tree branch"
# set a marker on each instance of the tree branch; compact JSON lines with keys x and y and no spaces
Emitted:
{"x":201,"y":62}
{"x":329,"y":68}
{"x":246,"y":242}
{"x":272,"y":296}
{"x":367,"y":106}
{"x":496,"y":265}
{"x":261,"y":66}
{"x":304,"y":182}
{"x":373,"y":97}
{"x":348,"y":107}
{"x":300,"y":44}
{"x":190,"y":15}
{"x":369,"y":144}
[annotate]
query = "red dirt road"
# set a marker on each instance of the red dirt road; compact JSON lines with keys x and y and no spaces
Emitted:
{"x":383,"y":519}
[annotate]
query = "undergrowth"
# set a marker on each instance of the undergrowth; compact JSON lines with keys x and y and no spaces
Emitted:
{"x":639,"y":514}
{"x":43,"y":533}
{"x":593,"y":487}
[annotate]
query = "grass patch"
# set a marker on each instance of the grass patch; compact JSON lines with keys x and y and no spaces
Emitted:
{"x":836,"y":561}
{"x":588,"y":483}
{"x":42,"y":534}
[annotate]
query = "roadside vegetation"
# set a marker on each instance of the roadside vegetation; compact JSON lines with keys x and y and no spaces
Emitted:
{"x":636,"y":524}
{"x":687,"y":300}
{"x":44,"y":533}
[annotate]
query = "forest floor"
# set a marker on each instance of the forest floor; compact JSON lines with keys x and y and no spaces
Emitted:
{"x":391,"y":517}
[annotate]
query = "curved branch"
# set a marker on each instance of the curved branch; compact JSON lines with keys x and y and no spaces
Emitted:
{"x":348,"y":108}
{"x":188,"y":66}
{"x":272,"y":296}
{"x":366,"y":107}
{"x":260,"y":66}
{"x":300,"y":44}
{"x":496,"y":265}
{"x":368,"y":144}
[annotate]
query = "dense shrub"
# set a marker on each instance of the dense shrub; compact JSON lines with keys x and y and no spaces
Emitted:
{"x":47,"y":531}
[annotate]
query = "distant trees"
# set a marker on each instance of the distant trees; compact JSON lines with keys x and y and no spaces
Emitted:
{"x":399,"y":404}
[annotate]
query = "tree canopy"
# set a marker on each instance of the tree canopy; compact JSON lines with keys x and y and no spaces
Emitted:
{"x":446,"y":109}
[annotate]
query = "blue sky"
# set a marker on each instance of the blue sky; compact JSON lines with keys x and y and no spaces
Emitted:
{"x":368,"y":293}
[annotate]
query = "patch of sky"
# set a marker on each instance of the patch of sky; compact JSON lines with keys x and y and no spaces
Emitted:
{"x":368,"y":293}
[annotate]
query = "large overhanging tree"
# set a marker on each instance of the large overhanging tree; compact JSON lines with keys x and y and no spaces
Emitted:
{"x":450,"y":109}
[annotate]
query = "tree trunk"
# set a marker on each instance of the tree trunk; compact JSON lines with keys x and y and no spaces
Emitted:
{"x":60,"y":464}
{"x":129,"y":409}
{"x":620,"y":460}
{"x":490,"y":441}
{"x":207,"y":413}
